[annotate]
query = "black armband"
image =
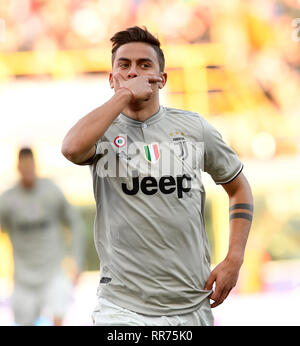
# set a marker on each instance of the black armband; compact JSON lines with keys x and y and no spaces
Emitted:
{"x":241,"y":206}
{"x":241,"y":216}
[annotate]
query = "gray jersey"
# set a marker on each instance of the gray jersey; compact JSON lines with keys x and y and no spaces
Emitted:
{"x":149,"y":226}
{"x":34,"y":219}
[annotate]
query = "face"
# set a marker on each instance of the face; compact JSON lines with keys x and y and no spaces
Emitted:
{"x":26,"y":168}
{"x":136,"y":59}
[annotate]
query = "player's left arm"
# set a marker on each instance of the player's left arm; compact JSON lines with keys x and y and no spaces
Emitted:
{"x":225,"y":274}
{"x":3,"y":214}
{"x":71,"y":217}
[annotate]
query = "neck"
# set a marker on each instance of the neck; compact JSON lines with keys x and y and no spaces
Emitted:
{"x":27,"y":186}
{"x":142,"y":111}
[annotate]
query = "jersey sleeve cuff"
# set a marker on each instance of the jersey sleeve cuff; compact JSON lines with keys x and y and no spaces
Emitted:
{"x":232,"y":177}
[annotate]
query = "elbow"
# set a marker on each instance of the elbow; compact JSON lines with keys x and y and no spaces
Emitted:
{"x":69,"y":152}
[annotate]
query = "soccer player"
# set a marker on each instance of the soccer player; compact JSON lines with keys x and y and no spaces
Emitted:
{"x":33,"y":212}
{"x":145,"y":161}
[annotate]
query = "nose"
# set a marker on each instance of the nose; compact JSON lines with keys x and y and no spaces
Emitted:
{"x":132,"y":73}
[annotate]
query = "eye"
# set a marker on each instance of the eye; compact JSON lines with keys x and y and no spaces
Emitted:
{"x":145,"y":65}
{"x":124,"y":65}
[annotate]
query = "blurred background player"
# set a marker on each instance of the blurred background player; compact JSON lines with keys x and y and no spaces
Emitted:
{"x":33,"y":212}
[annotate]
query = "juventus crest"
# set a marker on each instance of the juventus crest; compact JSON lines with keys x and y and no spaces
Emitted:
{"x":181,"y":147}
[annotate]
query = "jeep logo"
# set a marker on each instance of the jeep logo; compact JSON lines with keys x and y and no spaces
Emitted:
{"x":166,"y":184}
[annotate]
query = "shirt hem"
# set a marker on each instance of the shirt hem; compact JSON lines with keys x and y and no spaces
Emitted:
{"x":138,"y":309}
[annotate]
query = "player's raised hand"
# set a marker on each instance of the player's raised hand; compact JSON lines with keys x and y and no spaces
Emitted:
{"x":140,"y":87}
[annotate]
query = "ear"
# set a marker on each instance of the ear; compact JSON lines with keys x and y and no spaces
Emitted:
{"x":111,"y":80}
{"x":164,"y":77}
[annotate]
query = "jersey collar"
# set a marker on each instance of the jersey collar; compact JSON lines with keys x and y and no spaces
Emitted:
{"x":151,"y":120}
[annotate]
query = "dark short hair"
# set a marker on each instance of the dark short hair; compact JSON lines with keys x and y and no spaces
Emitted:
{"x":25,"y":152}
{"x":137,"y":34}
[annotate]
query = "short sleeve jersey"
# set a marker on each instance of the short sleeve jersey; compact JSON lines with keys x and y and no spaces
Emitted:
{"x":149,"y":227}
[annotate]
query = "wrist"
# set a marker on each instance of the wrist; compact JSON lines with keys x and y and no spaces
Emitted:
{"x":235,"y":258}
{"x":128,"y":92}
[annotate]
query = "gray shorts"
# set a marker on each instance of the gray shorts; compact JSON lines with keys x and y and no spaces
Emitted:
{"x":51,"y":300}
{"x":108,"y":314}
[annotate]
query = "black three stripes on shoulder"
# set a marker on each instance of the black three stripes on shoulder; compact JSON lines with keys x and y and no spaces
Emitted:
{"x":240,"y":215}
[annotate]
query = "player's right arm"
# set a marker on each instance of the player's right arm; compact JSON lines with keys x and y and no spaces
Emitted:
{"x":79,"y":143}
